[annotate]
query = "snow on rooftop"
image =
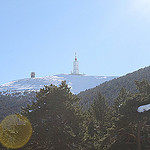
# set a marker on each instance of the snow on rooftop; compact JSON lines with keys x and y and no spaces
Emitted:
{"x":143,"y":108}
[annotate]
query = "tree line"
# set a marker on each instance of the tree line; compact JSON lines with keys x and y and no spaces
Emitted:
{"x":60,"y":121}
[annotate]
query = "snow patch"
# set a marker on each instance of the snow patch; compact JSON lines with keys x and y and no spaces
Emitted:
{"x":77,"y":83}
{"x":143,"y":108}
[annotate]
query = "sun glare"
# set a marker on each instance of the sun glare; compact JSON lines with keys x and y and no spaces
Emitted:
{"x":15,"y":131}
{"x":142,"y":6}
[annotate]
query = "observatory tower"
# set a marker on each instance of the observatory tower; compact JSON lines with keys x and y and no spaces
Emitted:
{"x":75,"y":66}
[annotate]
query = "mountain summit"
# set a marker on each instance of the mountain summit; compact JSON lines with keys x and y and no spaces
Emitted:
{"x":77,"y":83}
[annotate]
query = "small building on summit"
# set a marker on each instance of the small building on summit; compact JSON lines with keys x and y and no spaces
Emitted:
{"x":32,"y":74}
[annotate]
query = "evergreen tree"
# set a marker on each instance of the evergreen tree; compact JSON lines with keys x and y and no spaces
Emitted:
{"x":56,"y":119}
{"x":128,"y":121}
{"x":100,"y":110}
{"x":99,"y":122}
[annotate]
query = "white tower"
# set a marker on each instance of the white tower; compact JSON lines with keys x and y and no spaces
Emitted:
{"x":76,"y":66}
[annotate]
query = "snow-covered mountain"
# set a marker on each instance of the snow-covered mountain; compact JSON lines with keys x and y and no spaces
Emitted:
{"x":77,"y":83}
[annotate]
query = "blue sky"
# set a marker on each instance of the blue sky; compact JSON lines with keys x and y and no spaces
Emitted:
{"x":111,"y":37}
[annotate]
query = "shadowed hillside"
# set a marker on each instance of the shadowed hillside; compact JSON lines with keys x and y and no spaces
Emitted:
{"x":10,"y":104}
{"x":110,"y":89}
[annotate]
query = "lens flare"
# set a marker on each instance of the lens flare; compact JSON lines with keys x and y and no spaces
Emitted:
{"x":15,"y":131}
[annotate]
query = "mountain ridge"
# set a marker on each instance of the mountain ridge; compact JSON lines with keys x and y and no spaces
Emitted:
{"x":110,"y":89}
{"x":77,"y":83}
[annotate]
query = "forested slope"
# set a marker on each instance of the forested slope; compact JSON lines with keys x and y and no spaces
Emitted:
{"x":110,"y":89}
{"x":12,"y":104}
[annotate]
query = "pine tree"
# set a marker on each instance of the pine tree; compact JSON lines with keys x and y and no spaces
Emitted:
{"x":99,"y":122}
{"x":128,"y":121}
{"x":56,"y":119}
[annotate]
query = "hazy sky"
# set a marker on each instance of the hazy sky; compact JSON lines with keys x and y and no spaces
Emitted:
{"x":111,"y":37}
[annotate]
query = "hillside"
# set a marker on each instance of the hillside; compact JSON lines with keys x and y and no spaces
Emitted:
{"x":110,"y":89}
{"x":10,"y":104}
{"x":19,"y":93}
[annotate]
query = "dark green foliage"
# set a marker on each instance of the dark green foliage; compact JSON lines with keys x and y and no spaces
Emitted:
{"x":100,"y":108}
{"x":99,"y":122}
{"x":127,"y":119}
{"x":101,"y":112}
{"x":10,"y":104}
{"x":143,"y":87}
{"x":56,"y":119}
{"x":59,"y":122}
{"x":111,"y":89}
